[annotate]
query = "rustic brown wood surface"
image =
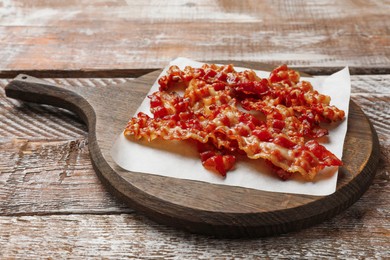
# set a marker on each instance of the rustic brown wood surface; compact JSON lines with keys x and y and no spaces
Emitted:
{"x":120,"y":34}
{"x":197,"y":206}
{"x":46,"y":171}
{"x":52,"y":204}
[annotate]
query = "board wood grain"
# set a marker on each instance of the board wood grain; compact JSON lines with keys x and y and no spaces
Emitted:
{"x":189,"y":204}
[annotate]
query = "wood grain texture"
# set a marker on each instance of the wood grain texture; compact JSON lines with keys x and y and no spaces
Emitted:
{"x":45,"y":165}
{"x":197,"y":206}
{"x":84,"y":36}
{"x":359,"y":232}
{"x":133,"y":236}
{"x":148,"y":34}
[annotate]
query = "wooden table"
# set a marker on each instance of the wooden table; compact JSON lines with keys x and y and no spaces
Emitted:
{"x":52,"y":205}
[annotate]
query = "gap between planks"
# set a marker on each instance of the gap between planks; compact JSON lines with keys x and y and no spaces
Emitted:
{"x":134,"y":73}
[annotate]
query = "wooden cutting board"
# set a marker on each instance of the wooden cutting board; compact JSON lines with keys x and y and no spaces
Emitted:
{"x":199,"y":207}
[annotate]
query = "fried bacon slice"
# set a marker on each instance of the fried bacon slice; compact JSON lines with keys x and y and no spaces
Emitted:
{"x":218,"y":110}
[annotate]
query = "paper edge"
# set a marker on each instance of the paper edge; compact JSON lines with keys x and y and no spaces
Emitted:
{"x":183,"y":59}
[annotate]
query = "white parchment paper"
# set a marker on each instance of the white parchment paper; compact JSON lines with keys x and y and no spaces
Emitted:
{"x":181,"y":159}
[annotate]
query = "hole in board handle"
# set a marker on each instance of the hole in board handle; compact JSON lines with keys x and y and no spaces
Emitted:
{"x":24,"y":77}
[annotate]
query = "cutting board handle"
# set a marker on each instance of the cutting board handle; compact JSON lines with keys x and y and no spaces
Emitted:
{"x":30,"y":89}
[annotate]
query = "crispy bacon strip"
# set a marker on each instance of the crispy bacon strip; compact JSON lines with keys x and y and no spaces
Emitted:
{"x":209,"y":112}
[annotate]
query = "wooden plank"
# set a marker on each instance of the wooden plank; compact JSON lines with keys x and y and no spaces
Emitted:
{"x":56,"y":177}
{"x":45,"y":166}
{"x":135,"y":73}
{"x":359,"y":232}
{"x":51,"y":177}
{"x":41,"y":184}
{"x":356,"y":234}
{"x":99,"y":73}
{"x":33,"y":122}
{"x":36,"y":141}
{"x":241,"y":212}
{"x":62,"y":35}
